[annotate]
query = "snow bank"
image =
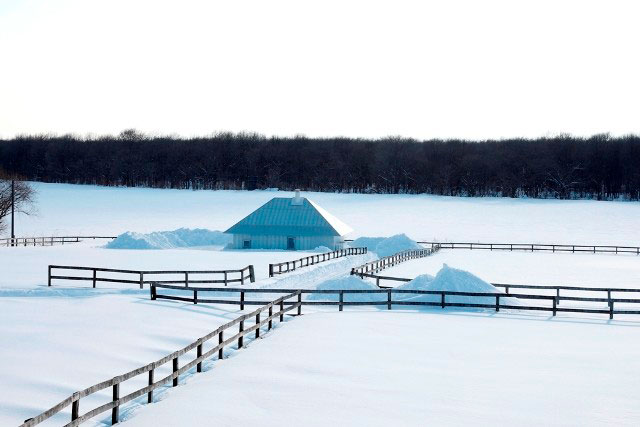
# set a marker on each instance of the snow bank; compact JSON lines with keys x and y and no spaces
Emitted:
{"x":453,"y":280}
{"x":385,"y":246}
{"x":420,"y":283}
{"x":181,"y":238}
{"x":366,"y":242}
{"x":347,"y":283}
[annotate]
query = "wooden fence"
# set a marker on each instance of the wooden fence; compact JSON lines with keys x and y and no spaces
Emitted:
{"x":395,"y":259}
{"x":225,"y":276}
{"x":312,"y":259}
{"x":389,"y":302}
{"x":555,"y":288}
{"x":173,"y":358}
{"x":47,"y":241}
{"x":534,"y":247}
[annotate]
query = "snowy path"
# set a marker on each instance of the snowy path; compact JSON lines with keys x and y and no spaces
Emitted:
{"x":310,"y":277}
{"x":398,"y":368}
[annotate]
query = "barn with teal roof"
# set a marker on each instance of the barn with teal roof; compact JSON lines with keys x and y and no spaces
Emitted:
{"x":295,"y":223}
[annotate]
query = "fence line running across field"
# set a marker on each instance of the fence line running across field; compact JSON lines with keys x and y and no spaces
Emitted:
{"x":47,"y":241}
{"x":226,"y":276}
{"x":389,"y":302}
{"x":535,"y":247}
{"x":117,"y":401}
{"x":395,"y":259}
{"x":556,"y":288}
{"x":312,"y":259}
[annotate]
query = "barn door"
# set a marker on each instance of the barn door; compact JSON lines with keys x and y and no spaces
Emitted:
{"x":291,"y":243}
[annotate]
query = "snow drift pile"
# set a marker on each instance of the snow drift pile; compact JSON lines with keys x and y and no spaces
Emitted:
{"x":347,"y":283}
{"x":386,"y":246}
{"x":453,"y":280}
{"x":181,"y":238}
{"x":448,"y":279}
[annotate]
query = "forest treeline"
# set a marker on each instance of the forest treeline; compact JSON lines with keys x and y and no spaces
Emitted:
{"x":599,"y":167}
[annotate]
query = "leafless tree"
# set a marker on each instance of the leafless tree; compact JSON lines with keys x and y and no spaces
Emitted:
{"x":25,"y":196}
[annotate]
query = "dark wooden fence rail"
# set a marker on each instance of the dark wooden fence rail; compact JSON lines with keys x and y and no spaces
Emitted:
{"x":312,"y":259}
{"x":173,"y":358}
{"x":47,"y":241}
{"x":395,"y":259}
{"x":552,"y":299}
{"x":534,"y":247}
{"x":226,"y":276}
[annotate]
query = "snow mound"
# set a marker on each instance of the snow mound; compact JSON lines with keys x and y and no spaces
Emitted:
{"x":386,"y":246}
{"x":420,"y":283}
{"x":347,"y":283}
{"x":453,"y":280}
{"x":366,"y":242}
{"x":322,"y":249}
{"x":181,"y":238}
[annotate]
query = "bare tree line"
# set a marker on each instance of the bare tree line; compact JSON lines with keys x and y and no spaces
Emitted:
{"x":599,"y":167}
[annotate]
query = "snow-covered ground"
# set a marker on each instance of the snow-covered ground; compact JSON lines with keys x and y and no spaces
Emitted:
{"x":60,"y":339}
{"x":27,"y":267}
{"x":526,"y":268}
{"x":429,"y":368}
{"x":89,"y":210}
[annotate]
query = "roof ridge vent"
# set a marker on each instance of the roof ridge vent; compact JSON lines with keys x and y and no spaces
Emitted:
{"x":297,"y":200}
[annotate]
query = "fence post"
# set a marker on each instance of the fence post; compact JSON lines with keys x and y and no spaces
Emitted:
{"x":241,"y":300}
{"x":610,"y":309}
{"x":241,"y":277}
{"x":49,"y":276}
{"x":141,"y":279}
{"x":389,"y":299}
{"x":299,"y":302}
{"x":186,"y":279}
{"x":240,"y":330}
{"x":199,"y":354}
{"x":75,"y":407}
{"x":225,"y":278}
{"x":270,"y":314}
{"x":341,"y":300}
{"x":150,"y":382}
{"x":558,"y":295}
{"x":281,"y":313}
{"x":195,"y":296}
{"x":258,"y":324}
{"x":497,"y":302}
{"x":270,"y":270}
{"x":95,"y":273}
{"x":153,"y":291}
{"x":252,"y":275}
{"x":115,"y":411}
{"x":554,"y":306}
{"x":442,"y":302}
{"x":175,"y":369}
{"x":220,"y":341}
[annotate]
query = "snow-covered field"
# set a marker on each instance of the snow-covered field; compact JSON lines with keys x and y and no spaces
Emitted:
{"x":90,"y":210}
{"x":526,"y":268}
{"x":428,"y":368}
{"x":488,"y":368}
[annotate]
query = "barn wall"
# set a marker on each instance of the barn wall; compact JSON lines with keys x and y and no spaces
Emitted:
{"x":280,"y":242}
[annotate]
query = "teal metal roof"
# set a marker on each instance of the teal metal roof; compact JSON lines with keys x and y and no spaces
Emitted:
{"x":280,"y":217}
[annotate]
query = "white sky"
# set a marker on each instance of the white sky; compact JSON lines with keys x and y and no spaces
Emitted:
{"x":424,"y":69}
